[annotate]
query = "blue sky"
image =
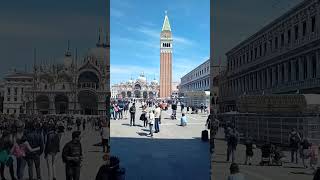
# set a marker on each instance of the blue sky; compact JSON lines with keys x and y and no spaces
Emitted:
{"x":135,"y":32}
{"x":47,"y":26}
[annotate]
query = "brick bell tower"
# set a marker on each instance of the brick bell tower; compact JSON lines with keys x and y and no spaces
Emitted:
{"x":165,"y":59}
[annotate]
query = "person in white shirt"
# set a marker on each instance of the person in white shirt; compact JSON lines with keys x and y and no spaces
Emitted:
{"x":151,"y":121}
{"x":157,"y":114}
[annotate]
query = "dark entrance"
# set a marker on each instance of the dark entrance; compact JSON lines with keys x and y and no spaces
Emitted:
{"x":61,"y":104}
{"x":88,"y":101}
{"x":42,"y":104}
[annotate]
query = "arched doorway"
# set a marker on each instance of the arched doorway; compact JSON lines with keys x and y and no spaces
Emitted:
{"x":123,"y":94}
{"x":42,"y":103}
{"x":145,"y":94}
{"x":88,"y":79}
{"x":129,"y":95}
{"x":137,"y":94}
{"x":61,"y":104}
{"x":88,"y":101}
{"x":150,"y":94}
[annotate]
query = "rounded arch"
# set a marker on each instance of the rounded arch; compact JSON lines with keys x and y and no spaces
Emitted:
{"x":61,"y":102}
{"x":137,"y":94}
{"x":88,"y":101}
{"x":145,"y":94}
{"x":129,"y":94}
{"x":43,"y":103}
{"x":137,"y":87}
{"x":123,"y":94}
{"x":88,"y":79}
{"x":151,"y":94}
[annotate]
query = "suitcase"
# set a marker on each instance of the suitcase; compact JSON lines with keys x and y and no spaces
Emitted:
{"x":204,"y":135}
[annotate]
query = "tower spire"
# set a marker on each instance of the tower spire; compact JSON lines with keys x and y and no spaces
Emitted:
{"x":100,"y":38}
{"x":68,"y":52}
{"x":166,"y":23}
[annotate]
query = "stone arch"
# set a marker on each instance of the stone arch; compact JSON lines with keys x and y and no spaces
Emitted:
{"x":43,"y":104}
{"x":87,"y":79}
{"x":129,"y":94}
{"x":88,"y":101}
{"x":123,"y":93}
{"x":137,"y":94}
{"x":145,"y":94}
{"x":61,"y":103}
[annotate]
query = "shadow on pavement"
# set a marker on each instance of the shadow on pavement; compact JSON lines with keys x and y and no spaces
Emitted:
{"x":158,"y":159}
{"x":142,"y":134}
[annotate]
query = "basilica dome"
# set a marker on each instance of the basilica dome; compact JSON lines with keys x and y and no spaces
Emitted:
{"x":142,"y":78}
{"x":155,"y":82}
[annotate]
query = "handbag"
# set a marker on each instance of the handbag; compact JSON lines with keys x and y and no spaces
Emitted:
{"x":142,"y":117}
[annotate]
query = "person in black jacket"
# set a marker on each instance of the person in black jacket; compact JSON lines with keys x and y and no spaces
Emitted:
{"x":35,"y":140}
{"x":72,"y":157}
{"x":132,"y":114}
{"x":52,"y":147}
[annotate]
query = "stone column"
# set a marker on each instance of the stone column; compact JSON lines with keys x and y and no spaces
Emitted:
{"x":262,"y":79}
{"x":279,"y":75}
{"x":309,"y":66}
{"x":285,"y":78}
{"x":268,"y":78}
{"x":318,"y":63}
{"x":301,"y":68}
{"x":293,"y":69}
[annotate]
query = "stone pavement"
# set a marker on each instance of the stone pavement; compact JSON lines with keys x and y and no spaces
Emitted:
{"x":91,"y":162}
{"x":173,"y":154}
{"x":220,"y":167}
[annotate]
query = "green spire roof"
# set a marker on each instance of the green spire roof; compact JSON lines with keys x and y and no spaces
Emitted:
{"x":166,"y":24}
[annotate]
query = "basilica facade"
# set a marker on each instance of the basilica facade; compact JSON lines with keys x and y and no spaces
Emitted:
{"x":139,"y":88}
{"x":75,"y":86}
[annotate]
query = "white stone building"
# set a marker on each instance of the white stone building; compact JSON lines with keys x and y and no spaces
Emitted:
{"x":77,"y":86}
{"x":281,"y":58}
{"x":139,"y":88}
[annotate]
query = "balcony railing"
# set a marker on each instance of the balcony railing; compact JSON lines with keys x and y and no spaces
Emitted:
{"x":88,"y":85}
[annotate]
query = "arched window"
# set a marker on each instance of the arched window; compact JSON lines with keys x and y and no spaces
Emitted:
{"x":45,"y":86}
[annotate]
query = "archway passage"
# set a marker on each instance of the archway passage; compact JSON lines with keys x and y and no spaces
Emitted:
{"x":123,"y":94}
{"x":129,"y":94}
{"x":88,"y":101}
{"x":145,"y":94}
{"x":137,"y":94}
{"x":61,"y":104}
{"x":88,"y":79}
{"x":150,"y":94}
{"x":42,"y":104}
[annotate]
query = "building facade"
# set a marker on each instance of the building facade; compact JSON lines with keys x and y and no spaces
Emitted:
{"x":196,"y":80}
{"x":73,"y":87}
{"x":281,"y":58}
{"x":139,"y":88}
{"x":166,"y":59}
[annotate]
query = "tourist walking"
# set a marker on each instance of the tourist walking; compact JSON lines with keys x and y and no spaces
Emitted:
{"x":232,"y":143}
{"x":294,"y":140}
{"x":84,"y":124}
{"x":151,"y":122}
{"x":78,"y":122}
{"x":132,"y":114}
{"x":305,"y":145}
{"x":314,"y":152}
{"x":35,"y":140}
{"x":143,"y":116}
{"x":52,"y":147}
{"x":249,"y":150}
{"x":72,"y":157}
{"x":104,"y":136}
{"x":157,"y":114}
{"x":125,"y":109}
{"x":6,"y":144}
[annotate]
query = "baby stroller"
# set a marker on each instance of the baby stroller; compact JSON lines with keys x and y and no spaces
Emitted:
{"x":265,"y":154}
{"x":277,"y":156}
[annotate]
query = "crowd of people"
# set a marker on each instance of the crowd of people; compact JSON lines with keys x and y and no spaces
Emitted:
{"x":25,"y":139}
{"x":271,"y":154}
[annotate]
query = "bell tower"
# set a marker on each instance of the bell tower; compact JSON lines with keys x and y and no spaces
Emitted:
{"x":165,"y":59}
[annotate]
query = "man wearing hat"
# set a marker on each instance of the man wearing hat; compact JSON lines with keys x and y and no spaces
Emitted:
{"x":72,"y":157}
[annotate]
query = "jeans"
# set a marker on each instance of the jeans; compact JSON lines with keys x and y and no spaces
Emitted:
{"x":294,"y":155}
{"x":156,"y":125}
{"x":151,"y":129}
{"x":21,"y":164}
{"x":51,"y":165}
{"x":11,"y":170}
{"x":36,"y":160}
{"x":145,"y":123}
{"x":230,"y":151}
{"x":72,"y":172}
{"x":120,"y":114}
{"x":132,"y":119}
